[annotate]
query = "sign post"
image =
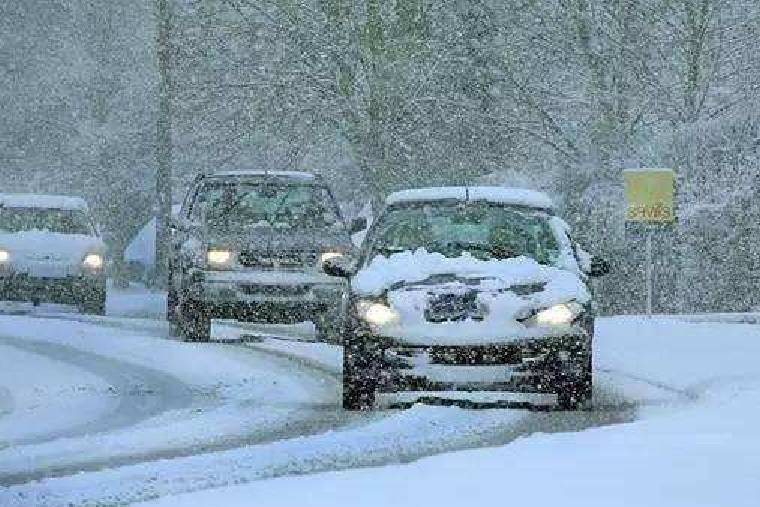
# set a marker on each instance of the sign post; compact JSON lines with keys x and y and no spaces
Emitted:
{"x":649,"y":196}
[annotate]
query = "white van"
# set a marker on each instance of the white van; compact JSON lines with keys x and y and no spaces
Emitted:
{"x":51,"y":251}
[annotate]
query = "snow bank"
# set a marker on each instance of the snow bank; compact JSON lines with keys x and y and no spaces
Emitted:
{"x":500,"y":195}
{"x":43,"y":201}
{"x":142,"y":248}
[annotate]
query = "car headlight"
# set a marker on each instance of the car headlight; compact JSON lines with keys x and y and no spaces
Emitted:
{"x":4,"y":256}
{"x":219,"y":257}
{"x":376,"y":313}
{"x":93,"y":261}
{"x":330,"y":255}
{"x":559,"y":315}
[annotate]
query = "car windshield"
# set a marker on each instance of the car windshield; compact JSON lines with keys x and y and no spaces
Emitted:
{"x":486,"y":231}
{"x":44,"y":219}
{"x":288,"y":206}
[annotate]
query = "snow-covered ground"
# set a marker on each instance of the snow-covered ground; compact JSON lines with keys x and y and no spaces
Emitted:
{"x":239,"y":424}
{"x":61,"y":399}
{"x":79,"y":394}
{"x":694,"y":442}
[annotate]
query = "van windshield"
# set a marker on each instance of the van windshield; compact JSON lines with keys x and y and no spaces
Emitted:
{"x":61,"y":221}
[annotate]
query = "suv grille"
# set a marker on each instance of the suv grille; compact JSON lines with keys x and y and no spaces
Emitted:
{"x":282,"y":259}
{"x":279,"y":291}
{"x":480,"y":355}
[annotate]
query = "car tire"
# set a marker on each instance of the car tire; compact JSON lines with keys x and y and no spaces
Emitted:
{"x":94,"y":302}
{"x":195,"y":324}
{"x":577,"y":393}
{"x":359,"y":382}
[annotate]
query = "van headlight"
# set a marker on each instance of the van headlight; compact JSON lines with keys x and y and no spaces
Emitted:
{"x":329,"y":255}
{"x":218,"y":257}
{"x":376,"y":312}
{"x":559,"y":315}
{"x":5,"y":256}
{"x":93,"y":261}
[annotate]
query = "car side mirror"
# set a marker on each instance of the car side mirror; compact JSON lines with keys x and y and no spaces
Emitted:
{"x":340,"y":267}
{"x":358,"y":224}
{"x":599,"y":267}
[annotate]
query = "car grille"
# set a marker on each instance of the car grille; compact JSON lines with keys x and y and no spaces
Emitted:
{"x":454,"y":308}
{"x":471,"y":355}
{"x":281,"y":291}
{"x":284,"y":259}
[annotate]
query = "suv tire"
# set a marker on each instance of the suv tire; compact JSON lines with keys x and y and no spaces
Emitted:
{"x":171,"y":305}
{"x":195,"y":323}
{"x":358,"y":387}
{"x":93,"y":302}
{"x":576,"y":394}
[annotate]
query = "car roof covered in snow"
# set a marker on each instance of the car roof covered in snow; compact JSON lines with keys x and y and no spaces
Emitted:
{"x":296,"y":175}
{"x":43,"y":201}
{"x":499,"y":195}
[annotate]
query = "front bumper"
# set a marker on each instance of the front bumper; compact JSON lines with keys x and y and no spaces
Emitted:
{"x":62,"y":290}
{"x":281,"y":296}
{"x":526,"y":372}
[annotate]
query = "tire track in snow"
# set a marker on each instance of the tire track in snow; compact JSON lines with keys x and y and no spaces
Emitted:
{"x":391,"y":437}
{"x":142,"y":392}
{"x":683,"y":394}
{"x":7,"y":405}
{"x":291,"y":419}
{"x":334,"y":443}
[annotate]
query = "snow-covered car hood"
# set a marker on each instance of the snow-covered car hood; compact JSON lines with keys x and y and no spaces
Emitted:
{"x":503,"y":291}
{"x":49,"y":254}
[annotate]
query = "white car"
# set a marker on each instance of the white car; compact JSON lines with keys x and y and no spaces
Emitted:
{"x":474,"y":295}
{"x":50,"y":251}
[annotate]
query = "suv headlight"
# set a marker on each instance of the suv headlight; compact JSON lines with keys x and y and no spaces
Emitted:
{"x":219,"y":257}
{"x":93,"y":261}
{"x":4,"y":256}
{"x":559,"y":315}
{"x":376,"y":312}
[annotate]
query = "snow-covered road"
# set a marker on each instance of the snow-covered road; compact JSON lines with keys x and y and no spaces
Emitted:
{"x":90,"y":393}
{"x":81,"y":396}
{"x":147,"y":417}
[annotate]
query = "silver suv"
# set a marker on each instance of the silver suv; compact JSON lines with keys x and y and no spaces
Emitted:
{"x":250,"y":245}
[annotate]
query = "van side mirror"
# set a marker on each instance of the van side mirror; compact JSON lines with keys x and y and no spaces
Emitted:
{"x":177,"y":224}
{"x":358,"y":224}
{"x":340,"y":267}
{"x":599,"y":267}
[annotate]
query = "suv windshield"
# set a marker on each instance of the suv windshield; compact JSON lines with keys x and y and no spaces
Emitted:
{"x":43,"y":219}
{"x":486,"y":231}
{"x":270,"y":204}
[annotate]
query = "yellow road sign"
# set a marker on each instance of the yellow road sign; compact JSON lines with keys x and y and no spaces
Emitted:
{"x":649,"y":193}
